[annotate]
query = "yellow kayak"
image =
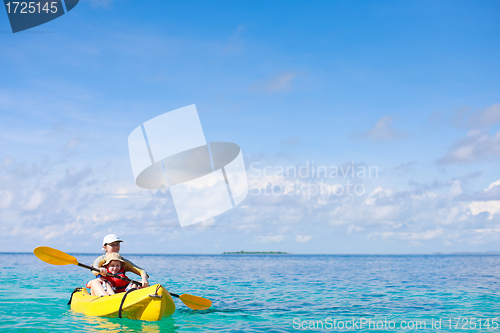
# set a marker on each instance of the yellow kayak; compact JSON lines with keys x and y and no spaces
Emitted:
{"x":151,"y":304}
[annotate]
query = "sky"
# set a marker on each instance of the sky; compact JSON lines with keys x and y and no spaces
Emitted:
{"x":407,"y":90}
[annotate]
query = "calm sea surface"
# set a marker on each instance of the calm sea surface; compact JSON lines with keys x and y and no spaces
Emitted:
{"x":274,"y":293}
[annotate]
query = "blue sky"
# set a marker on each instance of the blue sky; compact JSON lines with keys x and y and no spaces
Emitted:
{"x":408,"y":87}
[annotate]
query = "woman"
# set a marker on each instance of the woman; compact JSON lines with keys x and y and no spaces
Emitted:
{"x":111,"y":244}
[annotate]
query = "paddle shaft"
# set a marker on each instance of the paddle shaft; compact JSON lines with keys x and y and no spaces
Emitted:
{"x":110,"y":274}
{"x":119,"y":277}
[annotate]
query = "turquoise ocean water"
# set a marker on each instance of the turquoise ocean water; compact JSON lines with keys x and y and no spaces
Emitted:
{"x":272,"y":293}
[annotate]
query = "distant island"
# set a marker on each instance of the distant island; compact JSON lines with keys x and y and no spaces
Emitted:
{"x":247,"y":252}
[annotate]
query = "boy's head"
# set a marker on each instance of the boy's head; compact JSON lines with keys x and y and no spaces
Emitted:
{"x":114,"y":262}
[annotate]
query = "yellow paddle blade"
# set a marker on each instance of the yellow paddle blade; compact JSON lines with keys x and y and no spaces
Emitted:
{"x":54,"y":257}
{"x":195,"y":302}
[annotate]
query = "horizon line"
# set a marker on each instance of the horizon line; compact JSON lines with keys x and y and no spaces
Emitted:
{"x":289,"y":253}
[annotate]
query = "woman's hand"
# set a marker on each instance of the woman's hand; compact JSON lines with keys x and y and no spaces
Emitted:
{"x":145,"y":282}
{"x":103,"y":271}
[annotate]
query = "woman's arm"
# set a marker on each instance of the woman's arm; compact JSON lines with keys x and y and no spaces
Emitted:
{"x":98,"y":264}
{"x":131,"y":267}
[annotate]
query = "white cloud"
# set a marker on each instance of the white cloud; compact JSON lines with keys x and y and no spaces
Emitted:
{"x":482,"y":118}
{"x":70,"y":147}
{"x":382,"y":131}
{"x":476,"y":146}
{"x":6,"y":161}
{"x":35,"y":200}
{"x":5,"y":199}
{"x":270,"y":239}
{"x":406,"y":168}
{"x":354,"y":228}
{"x":494,"y":184}
{"x":486,"y":117}
{"x":74,"y":202}
{"x":490,"y":193}
{"x":411,"y":236}
{"x":303,"y":238}
{"x":491,"y":207}
{"x":455,"y":189}
{"x":466,"y":117}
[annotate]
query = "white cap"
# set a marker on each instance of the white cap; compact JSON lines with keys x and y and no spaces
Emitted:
{"x":110,"y":239}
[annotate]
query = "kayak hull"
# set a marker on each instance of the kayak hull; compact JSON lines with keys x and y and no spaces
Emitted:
{"x":151,"y":304}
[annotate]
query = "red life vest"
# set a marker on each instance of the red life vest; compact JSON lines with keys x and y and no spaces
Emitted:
{"x":117,"y":284}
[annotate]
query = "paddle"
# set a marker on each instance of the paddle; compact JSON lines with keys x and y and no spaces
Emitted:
{"x":56,"y":257}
